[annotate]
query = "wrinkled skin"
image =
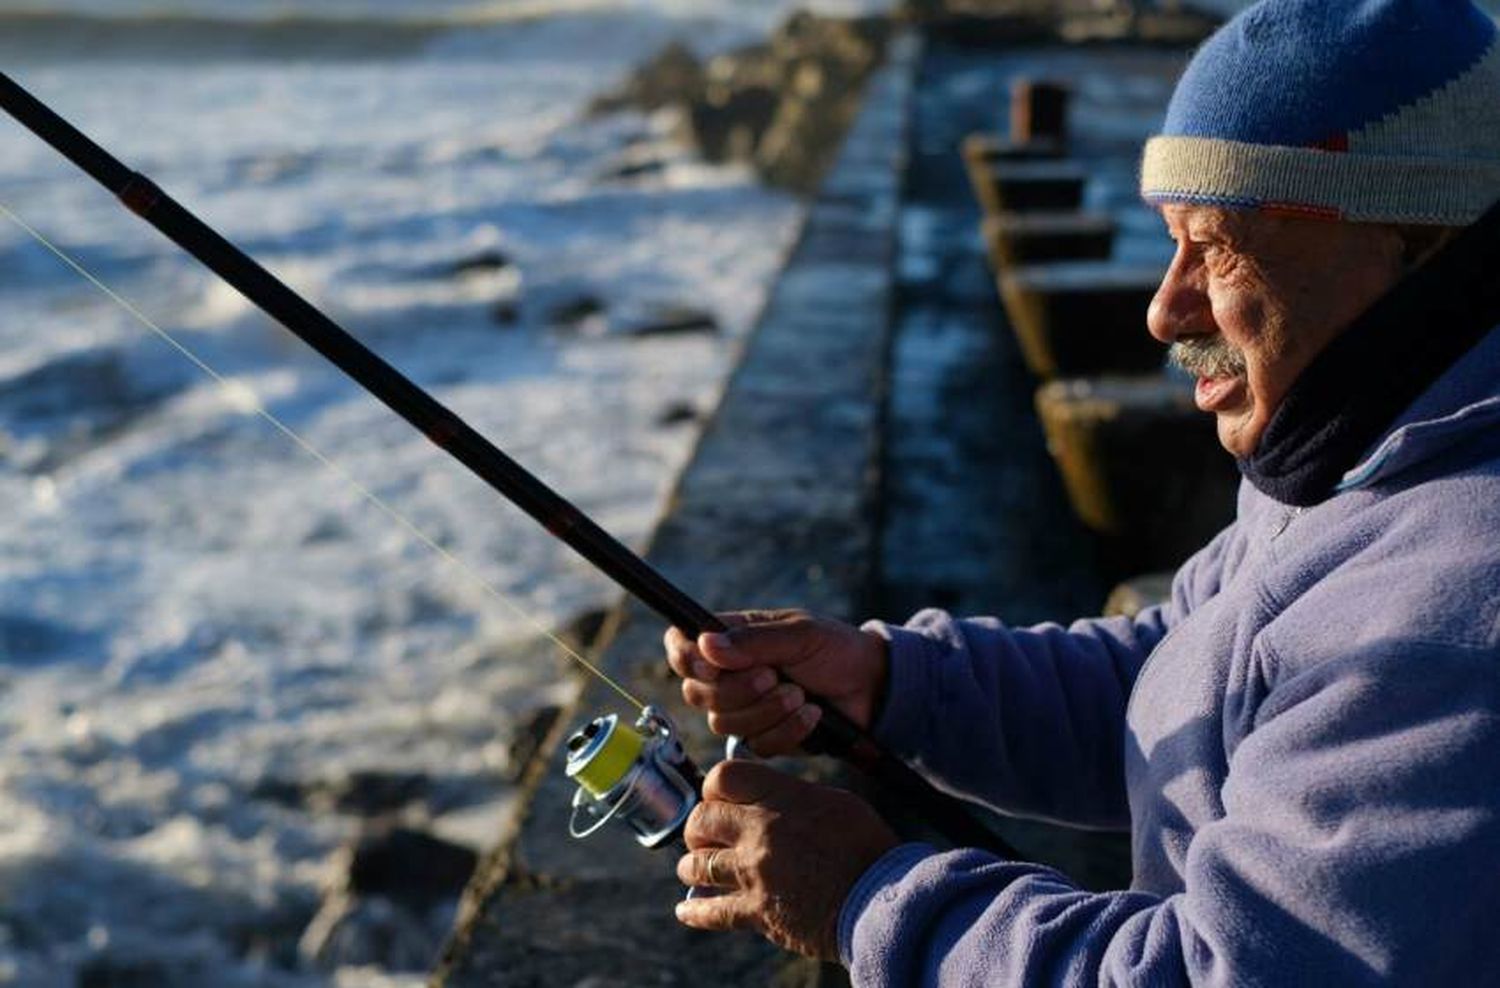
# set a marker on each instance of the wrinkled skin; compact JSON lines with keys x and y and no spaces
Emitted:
{"x":1268,"y":292}
{"x":785,"y":855}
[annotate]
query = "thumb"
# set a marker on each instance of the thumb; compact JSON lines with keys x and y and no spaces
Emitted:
{"x":748,"y":782}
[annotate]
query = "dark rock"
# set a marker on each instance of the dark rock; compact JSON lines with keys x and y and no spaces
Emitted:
{"x":377,"y":793}
{"x":576,"y":312}
{"x":582,"y":629}
{"x":282,"y":792}
{"x":672,"y":321}
{"x":483,"y":262}
{"x":677,"y":413}
{"x":507,"y":313}
{"x":530,"y":735}
{"x":120,"y":972}
{"x":405,"y":865}
{"x":783,"y":105}
{"x":1075,"y":318}
{"x":673,"y":75}
{"x":630,"y":168}
{"x":370,"y":931}
{"x":726,"y":123}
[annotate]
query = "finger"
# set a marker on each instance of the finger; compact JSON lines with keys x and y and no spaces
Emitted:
{"x":714,"y":824}
{"x":715,"y":868}
{"x":684,"y":658}
{"x":787,"y":736}
{"x":783,"y":639}
{"x":720,"y":912}
{"x":761,"y":716}
{"x":732,"y":691}
{"x":735,"y":784}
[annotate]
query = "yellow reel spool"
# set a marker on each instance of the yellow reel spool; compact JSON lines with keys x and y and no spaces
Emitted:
{"x":604,"y":759}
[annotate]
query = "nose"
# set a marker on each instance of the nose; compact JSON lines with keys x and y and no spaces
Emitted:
{"x":1181,"y":306}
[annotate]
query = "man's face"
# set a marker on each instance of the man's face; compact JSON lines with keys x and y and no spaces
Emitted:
{"x":1252,"y":298}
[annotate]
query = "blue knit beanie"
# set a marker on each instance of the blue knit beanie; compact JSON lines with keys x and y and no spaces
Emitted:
{"x":1381,"y":111}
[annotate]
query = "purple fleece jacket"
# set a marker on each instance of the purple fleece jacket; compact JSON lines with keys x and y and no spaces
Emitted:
{"x":1309,"y":762}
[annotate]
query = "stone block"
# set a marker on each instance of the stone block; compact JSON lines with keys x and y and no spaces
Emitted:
{"x":1143,"y":467}
{"x":1014,"y":239}
{"x":1029,"y":186}
{"x":1076,"y":318}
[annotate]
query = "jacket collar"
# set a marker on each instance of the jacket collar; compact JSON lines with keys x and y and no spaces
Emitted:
{"x":1462,"y":402}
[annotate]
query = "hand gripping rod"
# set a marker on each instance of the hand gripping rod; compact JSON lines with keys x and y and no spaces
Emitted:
{"x":834,"y":734}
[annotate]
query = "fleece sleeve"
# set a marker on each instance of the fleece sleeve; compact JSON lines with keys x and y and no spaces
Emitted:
{"x":1357,"y":847}
{"x":1030,"y":721}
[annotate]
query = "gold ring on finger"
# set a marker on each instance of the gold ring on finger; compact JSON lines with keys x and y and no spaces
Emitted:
{"x":713,"y":876}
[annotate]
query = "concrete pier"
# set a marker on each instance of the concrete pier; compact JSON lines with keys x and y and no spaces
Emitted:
{"x":876,"y":451}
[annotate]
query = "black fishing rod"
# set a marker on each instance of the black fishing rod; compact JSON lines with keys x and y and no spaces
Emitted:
{"x":835,"y":734}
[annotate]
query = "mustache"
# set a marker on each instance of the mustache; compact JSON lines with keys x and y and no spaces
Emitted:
{"x":1207,"y":356}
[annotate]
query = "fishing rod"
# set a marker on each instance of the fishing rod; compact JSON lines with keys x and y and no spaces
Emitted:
{"x":834,"y":734}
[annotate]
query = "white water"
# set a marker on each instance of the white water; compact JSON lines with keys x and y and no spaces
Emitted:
{"x":191,"y":609}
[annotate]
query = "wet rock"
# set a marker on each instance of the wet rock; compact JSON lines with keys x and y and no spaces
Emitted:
{"x":80,"y":398}
{"x":582,"y":629}
{"x":483,"y":262}
{"x":726,"y":123}
{"x":376,"y":793}
{"x":122,"y":972}
{"x":631,"y":167}
{"x":405,"y":865}
{"x":374,"y":931}
{"x":530,"y":735}
{"x":370,"y":794}
{"x":507,"y":313}
{"x":677,"y":413}
{"x":674,"y":320}
{"x":672,"y":75}
{"x":783,"y":105}
{"x":580,"y":313}
{"x":390,"y":902}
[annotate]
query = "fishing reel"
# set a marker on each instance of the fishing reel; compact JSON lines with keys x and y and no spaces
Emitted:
{"x":640,"y":775}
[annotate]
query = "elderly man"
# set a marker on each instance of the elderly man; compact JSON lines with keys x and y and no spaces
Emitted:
{"x":1305,"y":741}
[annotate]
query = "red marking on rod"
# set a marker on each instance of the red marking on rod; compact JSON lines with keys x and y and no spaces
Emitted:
{"x":140,"y":195}
{"x":442,"y":434}
{"x":559,"y":524}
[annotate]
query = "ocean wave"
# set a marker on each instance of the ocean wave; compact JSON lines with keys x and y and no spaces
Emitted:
{"x":212,"y":31}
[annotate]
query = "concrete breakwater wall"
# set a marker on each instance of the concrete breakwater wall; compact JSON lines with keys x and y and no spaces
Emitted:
{"x":776,"y":508}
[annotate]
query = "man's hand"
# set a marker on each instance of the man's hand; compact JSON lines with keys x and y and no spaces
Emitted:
{"x":733,"y":676}
{"x":785,"y":853}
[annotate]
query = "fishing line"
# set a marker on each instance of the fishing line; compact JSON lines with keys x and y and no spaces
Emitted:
{"x":251,"y":400}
